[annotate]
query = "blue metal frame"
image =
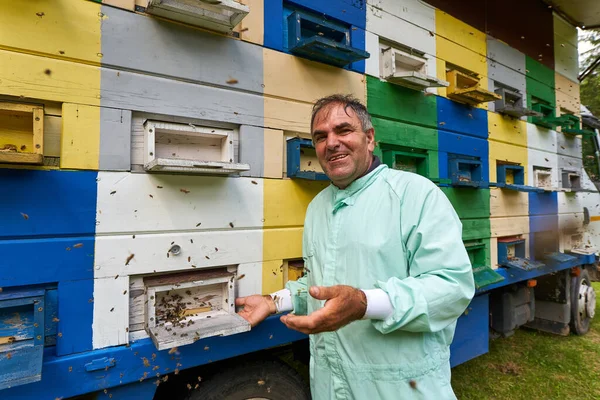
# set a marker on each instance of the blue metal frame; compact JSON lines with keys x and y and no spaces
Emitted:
{"x":293,"y":160}
{"x":21,"y":360}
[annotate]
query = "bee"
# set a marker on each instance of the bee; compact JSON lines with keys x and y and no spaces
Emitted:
{"x":184,"y":191}
{"x":129,"y":258}
{"x":25,"y":216}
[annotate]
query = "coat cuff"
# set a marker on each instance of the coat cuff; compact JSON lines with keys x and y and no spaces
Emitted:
{"x":283,"y":300}
{"x":379,"y":305}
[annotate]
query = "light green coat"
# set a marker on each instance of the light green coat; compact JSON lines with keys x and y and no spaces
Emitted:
{"x":396,"y":231}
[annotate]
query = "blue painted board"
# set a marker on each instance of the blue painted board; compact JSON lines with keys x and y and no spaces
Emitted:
{"x":543,"y":203}
{"x":461,"y":118}
{"x":75,"y":311}
{"x":47,"y":203}
{"x":449,"y":142}
{"x":471,"y":337}
{"x":342,"y":12}
{"x":129,"y":366}
{"x":541,"y":223}
{"x":51,"y":313}
{"x":34,"y":261}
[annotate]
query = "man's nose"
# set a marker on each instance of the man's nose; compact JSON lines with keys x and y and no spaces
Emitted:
{"x":332,"y":141}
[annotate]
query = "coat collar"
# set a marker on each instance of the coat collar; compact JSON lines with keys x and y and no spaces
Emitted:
{"x":348,"y":195}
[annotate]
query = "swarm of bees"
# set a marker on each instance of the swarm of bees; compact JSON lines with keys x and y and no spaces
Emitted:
{"x":173,"y":308}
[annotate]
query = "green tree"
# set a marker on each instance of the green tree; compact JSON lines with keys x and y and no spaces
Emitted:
{"x":590,"y":87}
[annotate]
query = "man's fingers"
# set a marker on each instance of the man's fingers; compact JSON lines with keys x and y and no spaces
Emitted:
{"x":323,"y":292}
{"x":240,"y":301}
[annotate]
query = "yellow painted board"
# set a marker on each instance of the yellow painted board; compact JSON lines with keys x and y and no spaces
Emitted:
{"x":124,"y":4}
{"x":506,"y":129}
{"x":286,"y":200}
{"x":16,"y":129}
{"x":508,"y":153}
{"x":508,"y":203}
{"x":272,"y":277}
{"x":287,"y":115}
{"x":251,"y":28}
{"x":509,"y":226}
{"x":455,"y":30}
{"x":62,"y":28}
{"x":441,"y":74}
{"x":567,"y":94}
{"x":273,"y":153}
{"x":305,"y":80}
{"x":494,"y":253}
{"x":35,"y":77}
{"x":80,"y":141}
{"x":282,"y":243}
{"x":463,"y":57}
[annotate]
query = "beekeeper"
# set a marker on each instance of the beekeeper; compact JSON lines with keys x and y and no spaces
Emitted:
{"x":387,"y":272}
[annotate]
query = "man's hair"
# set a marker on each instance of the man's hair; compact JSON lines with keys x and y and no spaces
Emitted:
{"x":346,"y":101}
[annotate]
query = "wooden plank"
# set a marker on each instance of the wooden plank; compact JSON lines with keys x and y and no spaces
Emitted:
{"x":20,"y":158}
{"x":398,"y":103}
{"x":461,"y":118}
{"x":198,"y":250}
{"x":136,"y":203}
{"x":252,"y":149}
{"x":454,"y":53}
{"x":76,"y":298}
{"x":273,"y":153}
{"x":80,"y":142}
{"x":282,"y":243}
{"x":508,"y":226}
{"x":541,"y":138}
{"x":187,"y":276}
{"x":18,"y":107}
{"x":567,"y":94}
{"x":286,"y":115}
{"x":272,"y":280}
{"x":286,"y":201}
{"x":401,"y":134}
{"x":115,"y":139}
{"x":460,"y":33}
{"x":38,"y":130}
{"x":305,"y":80}
{"x":249,"y":279}
{"x":569,"y":145}
{"x":124,"y":4}
{"x":16,"y":130}
{"x":566,"y":55}
{"x":471,"y":12}
{"x":372,"y":47}
{"x":413,"y":11}
{"x":474,"y":229}
{"x":508,"y":203}
{"x":502,"y":55}
{"x":111,"y":312}
{"x":570,"y":222}
{"x":570,"y":163}
{"x":540,"y":81}
{"x":54,"y":80}
{"x":494,"y":253}
{"x":469,"y":203}
{"x":136,"y":92}
{"x":251,"y":28}
{"x":507,"y":130}
{"x":169,"y":54}
{"x":51,"y":108}
{"x":572,"y":203}
{"x":47,"y":27}
{"x":537,"y":158}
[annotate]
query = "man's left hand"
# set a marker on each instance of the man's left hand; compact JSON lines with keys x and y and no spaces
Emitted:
{"x":343,"y":305}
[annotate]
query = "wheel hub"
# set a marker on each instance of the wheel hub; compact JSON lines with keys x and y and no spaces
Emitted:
{"x":587,"y":301}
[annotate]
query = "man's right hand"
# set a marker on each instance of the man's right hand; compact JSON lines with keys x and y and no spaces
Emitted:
{"x":256,"y":308}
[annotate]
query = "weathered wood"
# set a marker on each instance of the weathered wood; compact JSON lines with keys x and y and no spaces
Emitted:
{"x":137,"y":92}
{"x":567,"y":94}
{"x":537,"y":158}
{"x":53,"y":32}
{"x":540,"y":81}
{"x":286,"y":201}
{"x":188,"y":276}
{"x":566,"y":55}
{"x":20,"y":158}
{"x":402,"y":134}
{"x":135,"y":203}
{"x":508,"y":226}
{"x":252,"y":149}
{"x":111,"y":311}
{"x":541,"y":138}
{"x":508,"y":203}
{"x":80,"y":142}
{"x":251,"y":29}
{"x":569,"y":145}
{"x":507,"y":130}
{"x":115,"y":139}
{"x":274,"y":150}
{"x":222,"y":59}
{"x":52,"y":133}
{"x":249,"y":279}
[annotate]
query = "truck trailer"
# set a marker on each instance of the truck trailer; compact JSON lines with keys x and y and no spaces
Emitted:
{"x":156,"y":164}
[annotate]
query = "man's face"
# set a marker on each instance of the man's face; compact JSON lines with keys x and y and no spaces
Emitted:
{"x":344,"y":150}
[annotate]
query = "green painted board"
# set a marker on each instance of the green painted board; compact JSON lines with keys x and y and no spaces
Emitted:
{"x":479,"y":252}
{"x":395,"y":102}
{"x":469,"y":203}
{"x":476,"y":229}
{"x":484,"y":276}
{"x":403,"y":134}
{"x":540,"y":82}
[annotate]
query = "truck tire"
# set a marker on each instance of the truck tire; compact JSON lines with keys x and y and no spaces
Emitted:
{"x":272,"y":380}
{"x":583,"y":303}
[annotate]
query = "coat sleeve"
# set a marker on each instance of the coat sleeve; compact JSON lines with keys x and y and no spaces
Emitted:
{"x":440,"y":284}
{"x":299,"y":292}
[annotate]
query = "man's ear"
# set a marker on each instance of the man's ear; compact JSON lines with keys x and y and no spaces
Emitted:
{"x":371,"y":139}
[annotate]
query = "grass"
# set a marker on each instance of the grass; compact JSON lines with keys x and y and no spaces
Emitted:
{"x":534,"y":365}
